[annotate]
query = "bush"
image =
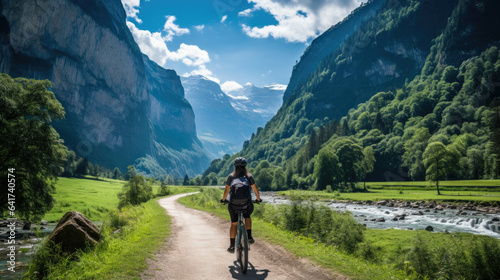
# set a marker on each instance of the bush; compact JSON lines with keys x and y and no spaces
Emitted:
{"x":461,"y":257}
{"x":329,"y":189}
{"x":135,"y":191}
{"x":319,"y":222}
{"x":164,"y":190}
{"x":116,"y":219}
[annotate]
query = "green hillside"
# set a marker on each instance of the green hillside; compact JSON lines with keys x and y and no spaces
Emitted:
{"x":450,"y":99}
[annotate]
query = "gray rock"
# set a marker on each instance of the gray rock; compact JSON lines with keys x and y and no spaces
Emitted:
{"x":429,"y":228}
{"x":74,"y":232}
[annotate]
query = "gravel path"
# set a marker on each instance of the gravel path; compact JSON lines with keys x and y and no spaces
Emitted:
{"x":197,"y":250}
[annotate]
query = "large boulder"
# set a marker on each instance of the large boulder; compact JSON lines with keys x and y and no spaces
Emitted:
{"x":73,"y":232}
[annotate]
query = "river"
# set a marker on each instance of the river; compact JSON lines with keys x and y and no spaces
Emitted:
{"x":383,"y":217}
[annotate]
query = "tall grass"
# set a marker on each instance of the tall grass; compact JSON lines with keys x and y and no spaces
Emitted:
{"x":413,"y":254}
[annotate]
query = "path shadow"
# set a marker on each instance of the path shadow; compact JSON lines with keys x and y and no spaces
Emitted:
{"x":252,"y":273}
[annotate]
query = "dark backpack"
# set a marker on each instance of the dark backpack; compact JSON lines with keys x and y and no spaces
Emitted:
{"x":240,"y":190}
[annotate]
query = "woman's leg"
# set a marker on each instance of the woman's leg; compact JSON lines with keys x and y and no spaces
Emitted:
{"x":248,"y":223}
{"x":232,"y":230}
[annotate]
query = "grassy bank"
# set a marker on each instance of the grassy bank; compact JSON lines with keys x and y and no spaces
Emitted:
{"x":447,"y":184}
{"x":378,"y":254}
{"x":402,"y":194}
{"x":129,"y":236}
{"x":297,"y":244}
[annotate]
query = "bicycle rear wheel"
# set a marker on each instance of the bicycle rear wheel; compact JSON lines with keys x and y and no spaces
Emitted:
{"x":244,"y":250}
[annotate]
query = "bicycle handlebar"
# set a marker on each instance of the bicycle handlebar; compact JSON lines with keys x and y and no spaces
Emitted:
{"x":227,"y":201}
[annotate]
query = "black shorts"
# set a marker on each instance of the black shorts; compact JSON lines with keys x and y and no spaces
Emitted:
{"x":232,"y":211}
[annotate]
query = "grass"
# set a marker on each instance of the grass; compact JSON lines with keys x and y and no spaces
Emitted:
{"x":121,"y":255}
{"x":95,"y":198}
{"x":301,"y":246}
{"x":407,"y":194}
{"x":384,"y":254}
{"x":449,"y":183}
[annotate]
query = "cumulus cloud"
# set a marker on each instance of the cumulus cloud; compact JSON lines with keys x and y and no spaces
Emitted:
{"x":151,"y":44}
{"x":154,"y":45}
{"x":173,"y":29}
{"x":223,"y":18}
{"x":298,"y":21}
{"x":132,"y":9}
{"x":230,"y":86}
{"x":199,"y":27}
{"x":191,"y":55}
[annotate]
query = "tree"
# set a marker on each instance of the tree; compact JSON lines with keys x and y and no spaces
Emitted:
{"x":367,"y":163}
{"x":131,"y":173}
{"x":326,"y":169}
{"x":186,"y":181}
{"x":117,"y":174}
{"x":350,"y":156}
{"x":82,"y":167}
{"x":30,"y":147}
{"x":135,"y":191}
{"x":437,"y":160}
{"x":70,"y":165}
{"x":264,"y":178}
{"x":170,"y":180}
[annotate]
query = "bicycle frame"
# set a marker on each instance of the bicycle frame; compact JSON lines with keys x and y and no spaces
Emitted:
{"x":240,"y":230}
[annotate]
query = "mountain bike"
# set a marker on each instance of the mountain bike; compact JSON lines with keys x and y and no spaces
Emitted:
{"x":242,"y":245}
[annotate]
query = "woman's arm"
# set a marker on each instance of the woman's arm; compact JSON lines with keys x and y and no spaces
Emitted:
{"x":226,"y":192}
{"x":256,"y":191}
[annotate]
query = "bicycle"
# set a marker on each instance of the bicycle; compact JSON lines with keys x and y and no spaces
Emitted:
{"x":242,"y":245}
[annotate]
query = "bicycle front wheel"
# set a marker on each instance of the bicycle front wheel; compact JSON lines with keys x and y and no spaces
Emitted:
{"x":244,"y":251}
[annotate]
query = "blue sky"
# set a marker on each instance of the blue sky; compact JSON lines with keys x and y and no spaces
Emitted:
{"x":232,"y":42}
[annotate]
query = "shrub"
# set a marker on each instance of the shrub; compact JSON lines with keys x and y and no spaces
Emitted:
{"x":135,"y":191}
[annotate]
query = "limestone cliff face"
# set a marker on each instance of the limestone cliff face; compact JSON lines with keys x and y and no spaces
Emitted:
{"x":120,"y":106}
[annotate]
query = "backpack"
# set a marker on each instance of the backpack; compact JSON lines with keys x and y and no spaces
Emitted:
{"x":240,"y":191}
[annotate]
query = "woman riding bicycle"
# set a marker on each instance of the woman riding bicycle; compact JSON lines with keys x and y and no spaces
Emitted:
{"x":238,"y":185}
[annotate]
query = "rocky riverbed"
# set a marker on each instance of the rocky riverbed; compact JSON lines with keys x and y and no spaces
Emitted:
{"x":432,"y":216}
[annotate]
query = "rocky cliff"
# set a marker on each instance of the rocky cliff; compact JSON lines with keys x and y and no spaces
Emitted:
{"x":120,"y":106}
{"x":327,"y":42}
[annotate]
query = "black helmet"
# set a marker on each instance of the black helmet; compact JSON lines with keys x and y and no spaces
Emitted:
{"x":240,"y":162}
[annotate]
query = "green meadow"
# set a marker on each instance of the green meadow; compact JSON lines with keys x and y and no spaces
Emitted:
{"x":130,"y":235}
{"x":95,"y":198}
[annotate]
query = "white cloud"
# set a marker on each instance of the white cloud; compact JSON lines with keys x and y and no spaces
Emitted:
{"x":173,"y":29}
{"x":132,"y":9}
{"x":223,"y":18}
{"x":191,"y":55}
{"x":202,"y":70}
{"x":246,"y":13}
{"x":199,"y":27}
{"x":298,"y":21}
{"x":155,"y":47}
{"x":151,"y":44}
{"x":276,"y":87}
{"x":230,"y":86}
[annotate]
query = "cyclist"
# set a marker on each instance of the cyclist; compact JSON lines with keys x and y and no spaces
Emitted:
{"x":238,"y":186}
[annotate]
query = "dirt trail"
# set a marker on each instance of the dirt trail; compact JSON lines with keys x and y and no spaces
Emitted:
{"x":197,"y":250}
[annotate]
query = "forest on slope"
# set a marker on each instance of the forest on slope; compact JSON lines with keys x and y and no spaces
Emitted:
{"x":452,"y":99}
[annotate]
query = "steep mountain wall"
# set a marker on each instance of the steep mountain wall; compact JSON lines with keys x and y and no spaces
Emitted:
{"x":327,"y":42}
{"x":119,"y":105}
